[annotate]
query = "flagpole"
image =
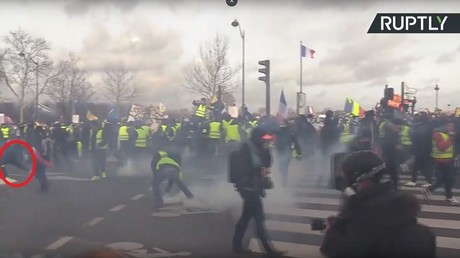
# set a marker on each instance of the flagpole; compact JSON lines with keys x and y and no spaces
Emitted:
{"x":300,"y":66}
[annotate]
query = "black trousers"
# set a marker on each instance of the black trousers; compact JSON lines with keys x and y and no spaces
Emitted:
{"x":284,"y":158}
{"x":40,"y":175}
{"x":425,"y":166}
{"x":445,"y":175}
{"x":124,"y":151}
{"x":391,"y":166}
{"x":252,"y":208}
{"x":99,"y":161}
{"x":172,"y":175}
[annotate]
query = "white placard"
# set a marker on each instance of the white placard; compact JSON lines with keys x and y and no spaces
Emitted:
{"x":2,"y":118}
{"x":76,"y":119}
{"x":233,"y":111}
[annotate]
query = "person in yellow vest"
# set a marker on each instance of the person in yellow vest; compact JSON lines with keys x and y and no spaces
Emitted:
{"x":100,"y":147}
{"x":406,"y":149}
{"x":123,"y":143}
{"x":142,"y":140}
{"x":215,"y":137}
{"x":346,"y":136}
{"x":147,"y":130}
{"x":444,"y":155}
{"x":201,"y":109}
{"x":6,"y":133}
{"x":166,"y":165}
{"x":233,"y":132}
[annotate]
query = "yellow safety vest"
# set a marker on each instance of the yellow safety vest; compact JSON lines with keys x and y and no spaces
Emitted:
{"x":123,"y":134}
{"x":345,"y":136}
{"x":225,"y":124}
{"x":5,"y":132}
{"x":99,"y":140}
{"x":201,"y":111}
{"x":214,"y":130}
{"x":141,"y":140}
{"x":146,"y":129}
{"x":166,"y":160}
{"x":232,"y":133}
{"x":173,"y":135}
{"x":404,"y":137}
{"x":382,"y":128}
{"x":79,"y":148}
{"x":437,"y":154}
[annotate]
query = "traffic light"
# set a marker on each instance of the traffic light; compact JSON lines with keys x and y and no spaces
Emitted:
{"x":265,"y":71}
{"x":389,"y":93}
{"x":266,"y":79}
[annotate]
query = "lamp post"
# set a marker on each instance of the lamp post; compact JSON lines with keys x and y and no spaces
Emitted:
{"x":235,"y":23}
{"x":36,"y":81}
{"x":436,"y":103}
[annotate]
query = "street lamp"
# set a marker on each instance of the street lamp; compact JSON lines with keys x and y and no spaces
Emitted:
{"x":22,"y":54}
{"x":235,"y":23}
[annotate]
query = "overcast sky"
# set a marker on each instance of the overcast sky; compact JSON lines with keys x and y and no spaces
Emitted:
{"x":348,"y":61}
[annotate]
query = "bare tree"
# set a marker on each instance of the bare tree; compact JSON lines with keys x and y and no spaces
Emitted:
{"x":71,"y":84}
{"x":23,"y":63}
{"x":119,"y":85}
{"x":212,"y":71}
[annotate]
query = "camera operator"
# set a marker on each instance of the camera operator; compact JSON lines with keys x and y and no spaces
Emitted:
{"x":254,"y":161}
{"x":375,"y":219}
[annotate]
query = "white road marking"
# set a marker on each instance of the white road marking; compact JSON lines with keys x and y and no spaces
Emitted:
{"x":293,"y":250}
{"x":117,"y":208}
{"x":60,"y":242}
{"x":137,"y":197}
{"x":93,"y":222}
{"x":336,"y":202}
{"x":68,"y":178}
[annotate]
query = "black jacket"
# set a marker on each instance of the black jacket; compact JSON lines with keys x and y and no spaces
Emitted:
{"x":285,"y":138}
{"x":379,"y":223}
{"x":421,"y":137}
{"x":253,"y":176}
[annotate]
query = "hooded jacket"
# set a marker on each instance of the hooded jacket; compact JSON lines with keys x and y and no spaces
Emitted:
{"x":378,"y":223}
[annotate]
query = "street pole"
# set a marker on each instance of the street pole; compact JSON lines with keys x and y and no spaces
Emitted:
{"x":242,"y":85}
{"x":402,"y":96}
{"x":236,"y":23}
{"x":36,"y":91}
{"x":436,"y":102}
{"x":301,"y":67}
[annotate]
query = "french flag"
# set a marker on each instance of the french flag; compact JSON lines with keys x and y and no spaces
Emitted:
{"x":304,"y":50}
{"x":282,"y":110}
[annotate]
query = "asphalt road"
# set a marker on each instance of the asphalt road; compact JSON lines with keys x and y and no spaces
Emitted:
{"x":78,"y":214}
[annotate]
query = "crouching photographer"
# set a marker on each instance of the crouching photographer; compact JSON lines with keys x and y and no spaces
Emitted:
{"x":375,"y":220}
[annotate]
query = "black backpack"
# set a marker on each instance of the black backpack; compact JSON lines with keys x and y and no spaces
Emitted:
{"x":236,"y":168}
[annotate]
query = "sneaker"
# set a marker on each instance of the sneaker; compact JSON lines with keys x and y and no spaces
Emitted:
{"x":426,"y":194}
{"x":426,"y":185}
{"x":453,"y":201}
{"x":411,"y":184}
{"x":104,"y":175}
{"x":94,"y":178}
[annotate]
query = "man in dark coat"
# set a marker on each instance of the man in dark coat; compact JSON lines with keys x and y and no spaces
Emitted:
{"x":375,"y":220}
{"x":255,"y":160}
